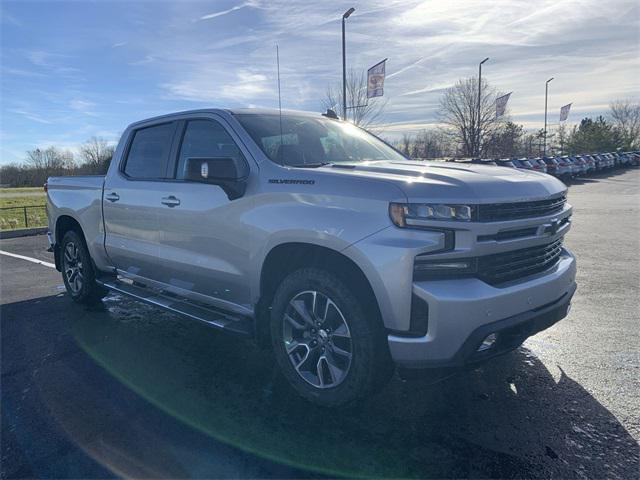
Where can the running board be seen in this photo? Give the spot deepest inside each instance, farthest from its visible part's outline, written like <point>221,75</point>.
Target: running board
<point>216,318</point>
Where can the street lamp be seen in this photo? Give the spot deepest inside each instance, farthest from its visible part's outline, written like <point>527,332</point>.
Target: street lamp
<point>546,96</point>
<point>479,100</point>
<point>345,15</point>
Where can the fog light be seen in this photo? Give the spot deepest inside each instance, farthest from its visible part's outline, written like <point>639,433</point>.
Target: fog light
<point>444,266</point>
<point>488,342</point>
<point>425,269</point>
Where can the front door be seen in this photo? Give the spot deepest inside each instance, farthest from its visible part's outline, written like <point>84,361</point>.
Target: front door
<point>204,244</point>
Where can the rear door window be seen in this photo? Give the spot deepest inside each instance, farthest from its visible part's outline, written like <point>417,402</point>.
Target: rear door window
<point>149,152</point>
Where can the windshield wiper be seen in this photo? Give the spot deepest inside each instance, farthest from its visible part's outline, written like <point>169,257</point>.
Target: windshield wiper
<point>311,165</point>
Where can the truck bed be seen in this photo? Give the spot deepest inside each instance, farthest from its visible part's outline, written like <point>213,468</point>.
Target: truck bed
<point>79,198</point>
<point>76,182</point>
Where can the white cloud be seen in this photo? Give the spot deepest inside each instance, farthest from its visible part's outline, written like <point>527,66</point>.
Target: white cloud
<point>31,116</point>
<point>225,12</point>
<point>9,19</point>
<point>82,106</point>
<point>143,61</point>
<point>429,88</point>
<point>51,62</point>
<point>22,72</point>
<point>242,87</point>
<point>247,85</point>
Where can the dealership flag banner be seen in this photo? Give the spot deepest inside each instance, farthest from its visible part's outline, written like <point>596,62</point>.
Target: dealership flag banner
<point>375,80</point>
<point>564,112</point>
<point>501,104</point>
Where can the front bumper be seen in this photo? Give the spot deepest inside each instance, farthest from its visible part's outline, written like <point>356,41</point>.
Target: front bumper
<point>462,312</point>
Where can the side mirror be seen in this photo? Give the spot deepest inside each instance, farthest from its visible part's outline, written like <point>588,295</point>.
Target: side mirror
<point>226,172</point>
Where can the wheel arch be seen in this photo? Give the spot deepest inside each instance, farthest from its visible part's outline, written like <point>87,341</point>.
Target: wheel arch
<point>65,223</point>
<point>286,258</point>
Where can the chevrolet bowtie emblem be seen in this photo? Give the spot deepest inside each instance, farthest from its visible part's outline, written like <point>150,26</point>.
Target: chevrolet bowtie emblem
<point>550,228</point>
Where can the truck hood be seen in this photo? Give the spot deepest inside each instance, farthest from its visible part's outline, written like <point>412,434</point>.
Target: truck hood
<point>450,182</point>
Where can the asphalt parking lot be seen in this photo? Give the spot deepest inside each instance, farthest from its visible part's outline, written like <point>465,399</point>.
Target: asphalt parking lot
<point>128,390</point>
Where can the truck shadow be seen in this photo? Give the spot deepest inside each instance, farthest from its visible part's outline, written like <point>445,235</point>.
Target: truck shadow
<point>513,418</point>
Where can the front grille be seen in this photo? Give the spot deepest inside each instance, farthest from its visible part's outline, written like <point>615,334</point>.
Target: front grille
<point>494,212</point>
<point>509,234</point>
<point>505,267</point>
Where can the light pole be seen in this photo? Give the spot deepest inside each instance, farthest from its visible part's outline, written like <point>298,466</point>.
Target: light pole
<point>345,15</point>
<point>479,101</point>
<point>546,96</point>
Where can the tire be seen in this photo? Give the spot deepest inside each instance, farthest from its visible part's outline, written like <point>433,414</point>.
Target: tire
<point>344,356</point>
<point>77,270</point>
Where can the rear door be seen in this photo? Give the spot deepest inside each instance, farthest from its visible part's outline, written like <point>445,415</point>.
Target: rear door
<point>133,201</point>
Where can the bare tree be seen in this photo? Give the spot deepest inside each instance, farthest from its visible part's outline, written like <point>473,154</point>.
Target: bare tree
<point>562,136</point>
<point>459,113</point>
<point>506,141</point>
<point>431,144</point>
<point>12,175</point>
<point>426,144</point>
<point>406,145</point>
<point>625,115</point>
<point>362,111</point>
<point>43,163</point>
<point>49,159</point>
<point>96,154</point>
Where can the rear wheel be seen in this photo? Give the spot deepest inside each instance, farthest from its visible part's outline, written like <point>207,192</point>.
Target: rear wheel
<point>329,349</point>
<point>77,270</point>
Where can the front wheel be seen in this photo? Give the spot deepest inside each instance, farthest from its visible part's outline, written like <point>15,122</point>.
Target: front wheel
<point>77,270</point>
<point>329,349</point>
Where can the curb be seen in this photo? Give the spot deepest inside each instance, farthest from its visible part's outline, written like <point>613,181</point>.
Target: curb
<point>24,232</point>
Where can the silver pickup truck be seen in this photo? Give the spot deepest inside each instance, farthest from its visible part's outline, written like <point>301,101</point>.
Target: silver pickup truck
<point>315,237</point>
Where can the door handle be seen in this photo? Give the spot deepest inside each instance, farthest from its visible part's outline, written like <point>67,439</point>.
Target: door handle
<point>170,201</point>
<point>112,197</point>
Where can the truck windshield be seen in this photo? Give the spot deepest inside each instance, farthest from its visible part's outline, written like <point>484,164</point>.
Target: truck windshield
<point>307,141</point>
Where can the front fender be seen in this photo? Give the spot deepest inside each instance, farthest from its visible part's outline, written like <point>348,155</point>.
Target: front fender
<point>296,236</point>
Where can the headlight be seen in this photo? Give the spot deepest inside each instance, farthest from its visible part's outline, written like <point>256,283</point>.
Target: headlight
<point>415,214</point>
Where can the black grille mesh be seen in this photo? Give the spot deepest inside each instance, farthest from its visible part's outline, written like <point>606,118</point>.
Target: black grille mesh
<point>504,267</point>
<point>493,212</point>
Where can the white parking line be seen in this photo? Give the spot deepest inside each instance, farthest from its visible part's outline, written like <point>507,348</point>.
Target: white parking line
<point>28,259</point>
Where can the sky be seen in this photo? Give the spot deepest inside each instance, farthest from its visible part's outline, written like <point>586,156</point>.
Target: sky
<point>71,70</point>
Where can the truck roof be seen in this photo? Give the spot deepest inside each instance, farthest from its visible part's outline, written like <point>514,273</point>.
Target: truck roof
<point>270,111</point>
<point>232,111</point>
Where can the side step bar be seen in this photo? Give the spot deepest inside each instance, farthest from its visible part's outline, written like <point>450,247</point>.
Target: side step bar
<point>216,318</point>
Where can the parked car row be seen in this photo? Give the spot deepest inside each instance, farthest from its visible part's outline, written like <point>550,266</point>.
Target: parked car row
<point>569,166</point>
